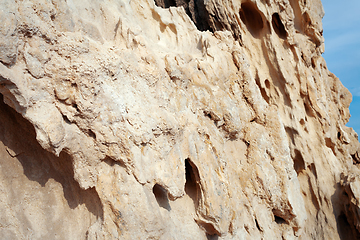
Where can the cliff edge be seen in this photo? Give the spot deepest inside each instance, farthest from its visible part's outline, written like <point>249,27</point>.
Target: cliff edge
<point>173,119</point>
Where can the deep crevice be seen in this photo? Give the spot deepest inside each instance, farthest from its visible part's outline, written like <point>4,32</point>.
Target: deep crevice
<point>91,134</point>
<point>66,119</point>
<point>299,163</point>
<point>278,26</point>
<point>257,225</point>
<point>192,185</point>
<point>345,230</point>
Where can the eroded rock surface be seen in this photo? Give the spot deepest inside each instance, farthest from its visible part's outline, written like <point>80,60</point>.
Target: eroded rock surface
<point>173,119</point>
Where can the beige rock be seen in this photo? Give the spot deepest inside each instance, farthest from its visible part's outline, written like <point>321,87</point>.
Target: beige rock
<point>173,120</point>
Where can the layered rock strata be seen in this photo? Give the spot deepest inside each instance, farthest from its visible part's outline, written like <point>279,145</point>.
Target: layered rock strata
<point>173,119</point>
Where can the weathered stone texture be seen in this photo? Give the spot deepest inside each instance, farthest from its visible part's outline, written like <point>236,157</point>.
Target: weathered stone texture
<point>173,119</point>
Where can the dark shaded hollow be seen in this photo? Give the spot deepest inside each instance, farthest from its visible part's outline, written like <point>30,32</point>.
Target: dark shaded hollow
<point>91,133</point>
<point>212,116</point>
<point>192,177</point>
<point>267,83</point>
<point>344,211</point>
<point>302,121</point>
<point>330,144</point>
<point>292,133</point>
<point>39,165</point>
<point>212,237</point>
<point>279,220</point>
<point>161,196</point>
<point>345,229</point>
<point>278,26</point>
<point>299,163</point>
<point>195,9</point>
<point>356,158</point>
<point>251,17</point>
<point>165,3</point>
<point>257,225</point>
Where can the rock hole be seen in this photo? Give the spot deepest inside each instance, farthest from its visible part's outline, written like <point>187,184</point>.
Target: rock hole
<point>91,133</point>
<point>111,162</point>
<point>212,116</point>
<point>299,163</point>
<point>339,135</point>
<point>212,237</point>
<point>278,26</point>
<point>302,122</point>
<point>52,17</point>
<point>345,229</point>
<point>251,17</point>
<point>76,107</point>
<point>192,188</point>
<point>329,143</point>
<point>161,196</point>
<point>279,220</point>
<point>267,83</point>
<point>291,132</point>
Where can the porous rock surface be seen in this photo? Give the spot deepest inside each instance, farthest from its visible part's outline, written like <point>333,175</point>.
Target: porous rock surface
<point>173,119</point>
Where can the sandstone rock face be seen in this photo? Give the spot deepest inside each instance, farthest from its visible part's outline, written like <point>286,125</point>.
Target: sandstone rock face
<point>173,119</point>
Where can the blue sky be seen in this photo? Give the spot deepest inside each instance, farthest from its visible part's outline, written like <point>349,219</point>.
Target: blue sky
<point>342,48</point>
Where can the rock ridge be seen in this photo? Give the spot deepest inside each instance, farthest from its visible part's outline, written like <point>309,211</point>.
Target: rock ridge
<point>173,119</point>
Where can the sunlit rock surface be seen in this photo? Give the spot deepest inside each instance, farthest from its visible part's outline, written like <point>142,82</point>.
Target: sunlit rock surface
<point>173,119</point>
